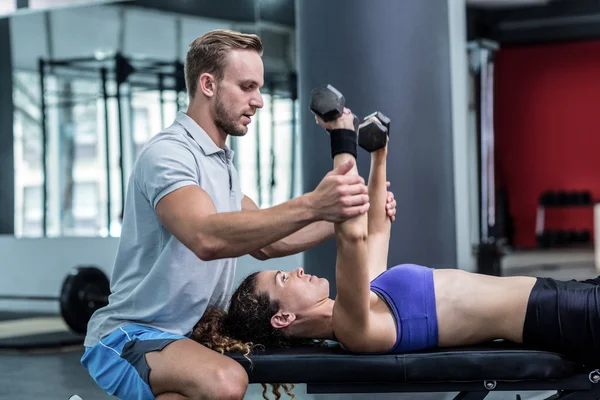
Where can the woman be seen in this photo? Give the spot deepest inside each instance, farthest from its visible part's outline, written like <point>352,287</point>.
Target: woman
<point>404,308</point>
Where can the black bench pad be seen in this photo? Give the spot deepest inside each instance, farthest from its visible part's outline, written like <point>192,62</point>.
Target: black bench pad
<point>502,361</point>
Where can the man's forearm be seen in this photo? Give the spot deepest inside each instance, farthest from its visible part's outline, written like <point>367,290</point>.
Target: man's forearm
<point>234,234</point>
<point>307,237</point>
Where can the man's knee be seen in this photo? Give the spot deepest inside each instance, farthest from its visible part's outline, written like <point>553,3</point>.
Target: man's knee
<point>234,381</point>
<point>230,381</point>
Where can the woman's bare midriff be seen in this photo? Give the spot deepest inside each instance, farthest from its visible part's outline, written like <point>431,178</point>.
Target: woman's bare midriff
<point>474,308</point>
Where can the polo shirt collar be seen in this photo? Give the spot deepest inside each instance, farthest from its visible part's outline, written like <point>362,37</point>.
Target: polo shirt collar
<point>200,136</point>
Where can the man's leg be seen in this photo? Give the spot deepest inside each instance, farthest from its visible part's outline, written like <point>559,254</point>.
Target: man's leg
<point>187,370</point>
<point>141,363</point>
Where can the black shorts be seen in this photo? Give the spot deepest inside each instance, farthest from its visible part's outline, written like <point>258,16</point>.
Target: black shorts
<point>564,317</point>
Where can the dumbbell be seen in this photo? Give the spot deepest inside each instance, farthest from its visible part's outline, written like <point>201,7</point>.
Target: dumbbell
<point>373,133</point>
<point>548,199</point>
<point>84,290</point>
<point>328,104</point>
<point>562,198</point>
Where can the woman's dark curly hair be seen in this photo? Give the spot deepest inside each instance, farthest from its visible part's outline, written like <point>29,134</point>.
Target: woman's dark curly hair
<point>245,326</point>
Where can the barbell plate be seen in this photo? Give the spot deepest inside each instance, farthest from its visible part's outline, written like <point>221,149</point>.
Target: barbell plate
<point>75,307</point>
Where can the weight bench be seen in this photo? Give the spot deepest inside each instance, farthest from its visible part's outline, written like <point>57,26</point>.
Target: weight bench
<point>474,372</point>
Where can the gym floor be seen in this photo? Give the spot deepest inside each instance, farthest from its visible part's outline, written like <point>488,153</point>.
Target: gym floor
<point>52,374</point>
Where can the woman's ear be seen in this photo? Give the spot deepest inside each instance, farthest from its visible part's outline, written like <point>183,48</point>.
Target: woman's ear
<point>282,319</point>
<point>207,84</point>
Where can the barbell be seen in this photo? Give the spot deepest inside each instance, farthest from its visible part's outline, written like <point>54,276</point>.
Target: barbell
<point>84,290</point>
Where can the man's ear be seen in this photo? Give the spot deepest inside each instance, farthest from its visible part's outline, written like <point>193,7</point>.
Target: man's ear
<point>282,319</point>
<point>207,84</point>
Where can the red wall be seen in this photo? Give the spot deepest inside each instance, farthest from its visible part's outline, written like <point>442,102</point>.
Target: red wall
<point>547,126</point>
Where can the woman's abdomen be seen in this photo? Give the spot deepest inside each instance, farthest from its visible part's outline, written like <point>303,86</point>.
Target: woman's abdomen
<point>475,308</point>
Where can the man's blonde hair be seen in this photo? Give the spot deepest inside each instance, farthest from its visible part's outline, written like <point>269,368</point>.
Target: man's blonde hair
<point>207,53</point>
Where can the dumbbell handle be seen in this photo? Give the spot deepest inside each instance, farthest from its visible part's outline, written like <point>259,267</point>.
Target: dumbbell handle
<point>385,121</point>
<point>83,295</point>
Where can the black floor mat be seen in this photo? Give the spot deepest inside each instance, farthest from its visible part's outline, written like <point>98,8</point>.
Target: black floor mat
<point>30,331</point>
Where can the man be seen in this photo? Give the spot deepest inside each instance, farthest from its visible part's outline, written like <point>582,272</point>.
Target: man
<point>186,221</point>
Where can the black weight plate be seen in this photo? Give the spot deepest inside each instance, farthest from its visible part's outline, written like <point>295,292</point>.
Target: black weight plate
<point>75,307</point>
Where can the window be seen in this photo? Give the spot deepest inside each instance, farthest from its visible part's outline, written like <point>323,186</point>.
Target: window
<point>32,211</point>
<point>28,151</point>
<point>86,209</point>
<point>8,6</point>
<point>85,199</point>
<point>141,128</point>
<point>29,133</point>
<point>75,175</point>
<point>86,131</point>
<point>27,120</point>
<point>275,178</point>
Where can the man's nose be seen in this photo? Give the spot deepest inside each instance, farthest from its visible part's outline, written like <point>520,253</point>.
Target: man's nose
<point>300,272</point>
<point>257,101</point>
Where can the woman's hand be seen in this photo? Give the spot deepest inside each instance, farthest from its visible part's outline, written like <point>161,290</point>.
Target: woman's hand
<point>345,121</point>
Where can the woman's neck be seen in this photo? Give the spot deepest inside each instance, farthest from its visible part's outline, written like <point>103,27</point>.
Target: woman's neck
<point>318,324</point>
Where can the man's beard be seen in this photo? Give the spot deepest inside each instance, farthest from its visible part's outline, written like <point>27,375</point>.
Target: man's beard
<point>226,122</point>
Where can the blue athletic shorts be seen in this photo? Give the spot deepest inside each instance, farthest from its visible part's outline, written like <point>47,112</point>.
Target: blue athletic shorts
<point>118,362</point>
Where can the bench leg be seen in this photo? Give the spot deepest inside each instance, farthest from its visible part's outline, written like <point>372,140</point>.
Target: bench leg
<point>593,394</point>
<point>471,395</point>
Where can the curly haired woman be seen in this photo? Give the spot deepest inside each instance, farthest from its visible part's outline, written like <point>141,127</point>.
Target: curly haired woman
<point>407,307</point>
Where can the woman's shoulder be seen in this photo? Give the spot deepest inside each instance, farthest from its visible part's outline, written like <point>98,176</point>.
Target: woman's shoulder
<point>376,334</point>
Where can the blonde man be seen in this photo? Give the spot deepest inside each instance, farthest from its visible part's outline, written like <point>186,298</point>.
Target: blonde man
<point>185,222</point>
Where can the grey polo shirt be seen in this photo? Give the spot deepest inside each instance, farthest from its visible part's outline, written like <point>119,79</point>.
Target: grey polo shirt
<point>156,281</point>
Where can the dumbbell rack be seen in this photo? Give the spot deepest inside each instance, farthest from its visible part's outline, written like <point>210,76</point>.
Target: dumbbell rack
<point>561,199</point>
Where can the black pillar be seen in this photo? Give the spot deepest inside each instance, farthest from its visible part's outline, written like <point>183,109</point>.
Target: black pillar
<point>7,180</point>
<point>392,56</point>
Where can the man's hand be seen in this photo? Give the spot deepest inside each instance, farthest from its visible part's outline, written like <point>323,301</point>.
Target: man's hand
<point>390,205</point>
<point>339,197</point>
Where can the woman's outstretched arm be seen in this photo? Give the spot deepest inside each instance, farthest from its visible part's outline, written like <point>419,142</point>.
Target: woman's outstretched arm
<point>351,310</point>
<point>379,222</point>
